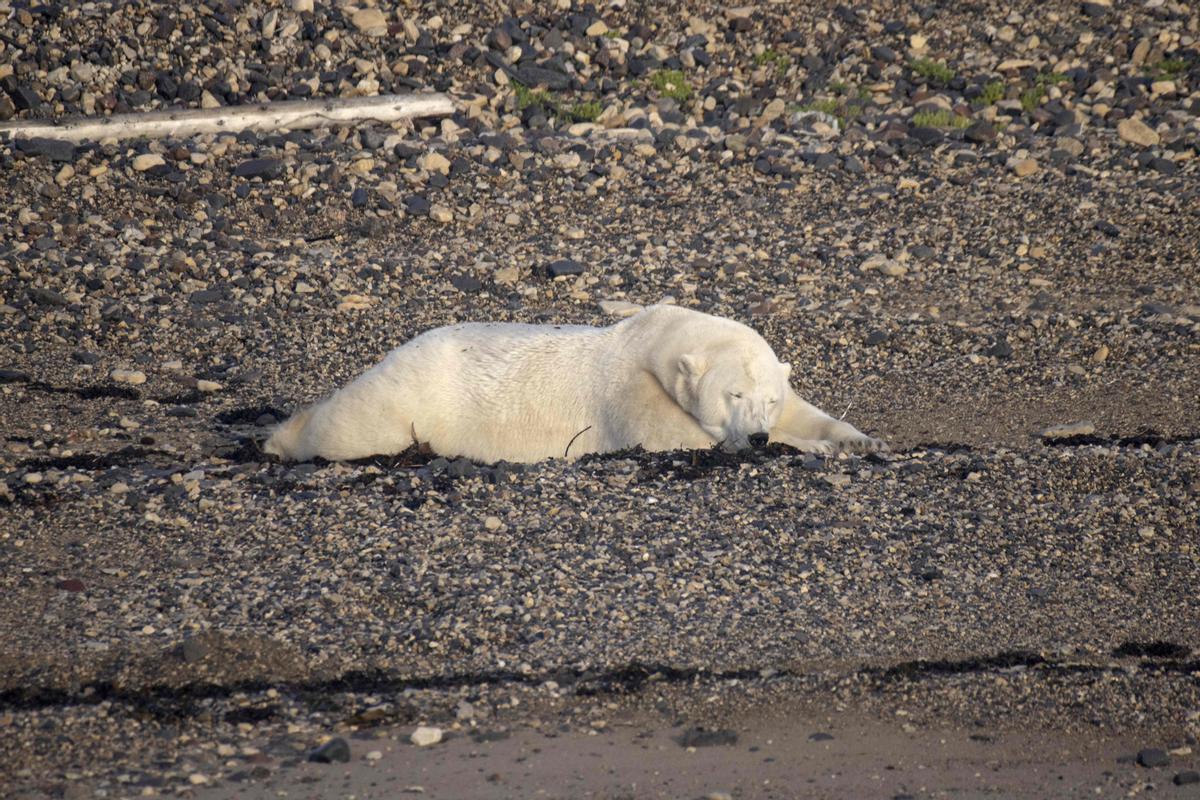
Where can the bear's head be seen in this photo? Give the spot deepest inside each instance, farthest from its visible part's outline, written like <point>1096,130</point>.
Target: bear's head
<point>737,398</point>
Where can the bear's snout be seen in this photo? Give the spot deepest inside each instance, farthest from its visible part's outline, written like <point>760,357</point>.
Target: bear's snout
<point>758,440</point>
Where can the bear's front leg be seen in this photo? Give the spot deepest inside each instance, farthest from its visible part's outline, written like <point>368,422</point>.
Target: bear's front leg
<point>801,425</point>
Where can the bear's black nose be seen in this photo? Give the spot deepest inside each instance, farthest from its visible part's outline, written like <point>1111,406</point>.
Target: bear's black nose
<point>758,440</point>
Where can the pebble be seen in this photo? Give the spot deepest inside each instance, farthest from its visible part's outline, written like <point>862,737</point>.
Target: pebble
<point>259,168</point>
<point>1153,757</point>
<point>563,267</point>
<point>1025,167</point>
<point>133,377</point>
<point>336,749</point>
<point>425,736</point>
<point>1137,132</point>
<point>1068,430</point>
<point>434,162</point>
<point>1186,778</point>
<point>208,386</point>
<point>439,213</point>
<point>493,523</point>
<point>370,21</point>
<point>147,161</point>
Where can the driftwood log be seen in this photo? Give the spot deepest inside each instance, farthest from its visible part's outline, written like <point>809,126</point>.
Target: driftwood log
<point>290,114</point>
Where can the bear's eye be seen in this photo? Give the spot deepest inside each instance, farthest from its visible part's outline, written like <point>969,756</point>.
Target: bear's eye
<point>772,401</point>
<point>736,395</point>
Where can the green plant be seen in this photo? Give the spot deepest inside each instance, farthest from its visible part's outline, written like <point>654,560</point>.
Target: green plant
<point>993,93</point>
<point>940,119</point>
<point>781,61</point>
<point>1169,68</point>
<point>612,34</point>
<point>583,112</point>
<point>824,105</point>
<point>527,97</point>
<point>1031,98</point>
<point>671,83</point>
<point>1050,79</point>
<point>839,87</point>
<point>577,112</point>
<point>931,70</point>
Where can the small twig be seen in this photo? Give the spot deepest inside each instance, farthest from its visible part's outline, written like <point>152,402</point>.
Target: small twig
<point>573,438</point>
<point>849,406</point>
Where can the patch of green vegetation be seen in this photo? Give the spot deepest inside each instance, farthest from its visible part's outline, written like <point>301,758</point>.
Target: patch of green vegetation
<point>527,97</point>
<point>945,120</point>
<point>612,34</point>
<point>781,61</point>
<point>1168,68</point>
<point>931,70</point>
<point>583,112</point>
<point>843,89</point>
<point>824,105</point>
<point>577,112</point>
<point>993,93</point>
<point>1051,79</point>
<point>1032,98</point>
<point>671,83</point>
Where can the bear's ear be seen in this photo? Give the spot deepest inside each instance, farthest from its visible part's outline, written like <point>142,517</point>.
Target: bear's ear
<point>692,366</point>
<point>787,369</point>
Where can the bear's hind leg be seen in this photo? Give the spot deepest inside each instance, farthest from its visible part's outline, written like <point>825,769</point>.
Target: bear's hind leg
<point>806,427</point>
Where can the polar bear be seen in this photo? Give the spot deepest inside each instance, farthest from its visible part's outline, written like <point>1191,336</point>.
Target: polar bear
<point>666,378</point>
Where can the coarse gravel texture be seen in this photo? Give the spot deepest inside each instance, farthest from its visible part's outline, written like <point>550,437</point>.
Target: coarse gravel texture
<point>962,225</point>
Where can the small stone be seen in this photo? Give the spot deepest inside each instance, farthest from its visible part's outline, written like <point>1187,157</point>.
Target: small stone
<point>1188,776</point>
<point>302,6</point>
<point>197,779</point>
<point>718,796</point>
<point>209,100</point>
<point>425,736</point>
<point>820,736</point>
<point>1101,354</point>
<point>133,377</point>
<point>336,749</point>
<point>439,213</point>
<point>567,160</point>
<point>564,266</point>
<point>1137,132</point>
<point>53,149</point>
<point>13,376</point>
<point>208,386</point>
<point>33,477</point>
<point>1068,430</point>
<point>492,523</point>
<point>71,585</point>
<point>370,21</point>
<point>374,755</point>
<point>597,28</point>
<point>434,162</point>
<point>266,168</point>
<point>1025,167</point>
<point>1153,757</point>
<point>147,161</point>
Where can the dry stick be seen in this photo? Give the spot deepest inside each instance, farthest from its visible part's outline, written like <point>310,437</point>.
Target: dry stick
<point>573,438</point>
<point>290,114</point>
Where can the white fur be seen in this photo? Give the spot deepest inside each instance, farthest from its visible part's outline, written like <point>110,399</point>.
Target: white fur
<point>665,378</point>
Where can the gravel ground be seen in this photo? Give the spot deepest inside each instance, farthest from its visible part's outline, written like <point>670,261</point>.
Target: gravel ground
<point>963,225</point>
